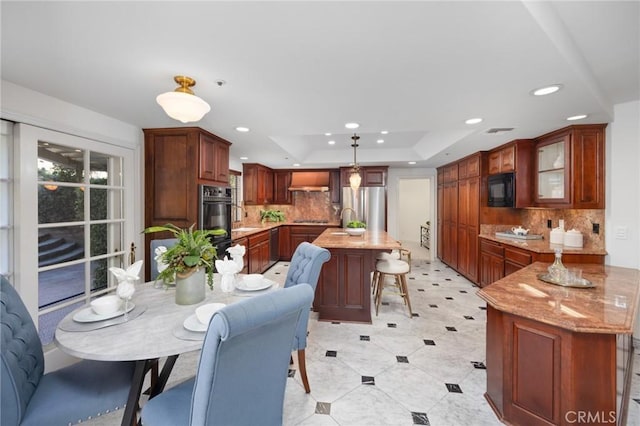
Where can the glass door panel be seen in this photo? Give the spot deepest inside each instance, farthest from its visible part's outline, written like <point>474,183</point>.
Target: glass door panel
<point>551,181</point>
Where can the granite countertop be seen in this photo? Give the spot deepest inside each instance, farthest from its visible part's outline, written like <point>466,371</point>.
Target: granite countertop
<point>251,229</point>
<point>542,246</point>
<point>610,307</point>
<point>370,240</point>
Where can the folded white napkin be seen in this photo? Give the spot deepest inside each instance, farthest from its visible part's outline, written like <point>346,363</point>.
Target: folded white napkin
<point>126,278</point>
<point>227,266</point>
<point>237,254</point>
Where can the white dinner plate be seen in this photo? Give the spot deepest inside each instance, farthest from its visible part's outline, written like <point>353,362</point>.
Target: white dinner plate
<point>241,285</point>
<point>88,315</point>
<point>192,324</point>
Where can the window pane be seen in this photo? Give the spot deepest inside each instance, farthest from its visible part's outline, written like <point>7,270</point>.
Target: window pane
<point>59,285</point>
<point>59,245</point>
<point>105,170</point>
<point>106,238</point>
<point>106,203</point>
<point>99,271</point>
<point>60,204</point>
<point>59,163</point>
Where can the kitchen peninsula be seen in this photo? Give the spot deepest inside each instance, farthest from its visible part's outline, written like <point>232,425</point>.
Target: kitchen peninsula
<point>344,287</point>
<point>555,353</point>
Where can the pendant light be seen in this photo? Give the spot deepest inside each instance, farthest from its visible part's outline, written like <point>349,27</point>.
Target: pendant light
<point>182,104</point>
<point>354,176</point>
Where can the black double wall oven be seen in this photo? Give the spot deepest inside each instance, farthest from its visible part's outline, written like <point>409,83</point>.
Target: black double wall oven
<point>215,213</point>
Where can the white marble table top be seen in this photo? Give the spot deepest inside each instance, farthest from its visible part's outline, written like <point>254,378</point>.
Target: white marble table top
<point>150,335</point>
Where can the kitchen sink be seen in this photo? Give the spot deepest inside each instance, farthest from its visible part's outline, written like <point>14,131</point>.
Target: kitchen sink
<point>244,229</point>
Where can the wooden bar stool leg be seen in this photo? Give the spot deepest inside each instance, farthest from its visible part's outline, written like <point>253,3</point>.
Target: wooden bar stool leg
<point>379,286</point>
<point>405,290</point>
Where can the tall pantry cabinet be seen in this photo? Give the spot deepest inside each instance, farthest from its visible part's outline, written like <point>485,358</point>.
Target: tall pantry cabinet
<point>459,194</point>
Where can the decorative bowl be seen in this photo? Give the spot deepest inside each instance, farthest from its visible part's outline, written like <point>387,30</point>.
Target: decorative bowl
<point>106,305</point>
<point>355,231</point>
<point>253,280</point>
<point>205,312</point>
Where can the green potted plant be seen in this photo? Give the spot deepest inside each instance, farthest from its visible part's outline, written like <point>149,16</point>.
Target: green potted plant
<point>271,216</point>
<point>188,260</point>
<point>356,227</point>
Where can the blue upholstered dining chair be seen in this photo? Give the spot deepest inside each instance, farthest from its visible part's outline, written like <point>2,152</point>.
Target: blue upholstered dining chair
<point>167,242</point>
<point>29,397</point>
<point>305,267</point>
<point>242,372</point>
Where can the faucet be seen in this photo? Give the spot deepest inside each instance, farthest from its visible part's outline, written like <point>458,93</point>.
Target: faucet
<point>348,208</point>
<point>239,207</point>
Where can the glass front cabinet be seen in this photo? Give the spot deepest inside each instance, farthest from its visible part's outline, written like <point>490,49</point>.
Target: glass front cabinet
<point>553,171</point>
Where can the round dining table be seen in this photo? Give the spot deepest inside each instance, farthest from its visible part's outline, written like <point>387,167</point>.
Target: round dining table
<point>153,329</point>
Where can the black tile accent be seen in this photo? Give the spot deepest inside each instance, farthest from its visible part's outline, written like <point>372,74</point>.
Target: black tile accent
<point>277,273</point>
<point>332,354</point>
<point>447,279</point>
<point>414,314</point>
<point>437,270</point>
<point>323,408</point>
<point>467,317</point>
<point>636,400</point>
<point>335,322</point>
<point>365,338</point>
<point>484,308</point>
<point>392,325</point>
<point>479,365</point>
<point>421,289</point>
<point>420,418</point>
<point>429,342</point>
<point>452,387</point>
<point>412,278</point>
<point>433,306</point>
<point>403,359</point>
<point>449,298</point>
<point>451,329</point>
<point>424,273</point>
<point>463,291</point>
<point>368,380</point>
<point>291,374</point>
<point>435,284</point>
<point>384,303</point>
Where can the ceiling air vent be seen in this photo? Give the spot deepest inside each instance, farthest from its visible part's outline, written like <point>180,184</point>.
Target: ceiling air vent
<point>496,130</point>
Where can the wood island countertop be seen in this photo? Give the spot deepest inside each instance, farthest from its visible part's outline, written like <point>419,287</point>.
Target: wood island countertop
<point>610,307</point>
<point>337,238</point>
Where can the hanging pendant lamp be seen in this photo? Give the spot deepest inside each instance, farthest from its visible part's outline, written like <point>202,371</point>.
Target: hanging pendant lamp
<point>182,104</point>
<point>354,175</point>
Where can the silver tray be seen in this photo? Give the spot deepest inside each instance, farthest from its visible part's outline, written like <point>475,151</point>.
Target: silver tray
<point>583,283</point>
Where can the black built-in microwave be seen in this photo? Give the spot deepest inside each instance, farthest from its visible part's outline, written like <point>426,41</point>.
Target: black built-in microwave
<point>502,190</point>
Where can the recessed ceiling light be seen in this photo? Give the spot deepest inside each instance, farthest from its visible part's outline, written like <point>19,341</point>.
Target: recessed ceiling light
<point>546,90</point>
<point>296,164</point>
<point>244,158</point>
<point>380,141</point>
<point>352,125</point>
<point>577,117</point>
<point>474,121</point>
<point>242,129</point>
<point>384,132</point>
<point>412,162</point>
<point>331,142</point>
<point>327,134</point>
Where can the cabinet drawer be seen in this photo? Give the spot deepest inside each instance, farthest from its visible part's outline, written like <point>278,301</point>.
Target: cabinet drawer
<point>258,238</point>
<point>517,256</point>
<point>491,247</point>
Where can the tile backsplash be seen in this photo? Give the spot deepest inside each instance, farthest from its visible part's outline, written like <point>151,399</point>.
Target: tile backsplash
<point>581,219</point>
<point>306,205</point>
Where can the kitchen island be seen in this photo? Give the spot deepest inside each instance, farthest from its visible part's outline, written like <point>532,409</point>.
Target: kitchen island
<point>344,287</point>
<point>558,355</point>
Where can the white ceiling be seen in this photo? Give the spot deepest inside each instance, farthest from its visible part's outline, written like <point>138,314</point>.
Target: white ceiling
<point>295,70</point>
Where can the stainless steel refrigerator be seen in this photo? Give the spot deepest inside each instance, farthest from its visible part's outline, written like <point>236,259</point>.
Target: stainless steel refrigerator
<point>369,204</point>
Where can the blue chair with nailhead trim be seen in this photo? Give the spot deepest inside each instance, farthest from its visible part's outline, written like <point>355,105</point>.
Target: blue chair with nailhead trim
<point>78,392</point>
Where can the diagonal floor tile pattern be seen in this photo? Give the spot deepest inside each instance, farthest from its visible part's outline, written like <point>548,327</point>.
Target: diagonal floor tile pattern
<point>425,370</point>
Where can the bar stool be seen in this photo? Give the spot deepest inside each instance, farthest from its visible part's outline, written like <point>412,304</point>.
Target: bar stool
<point>397,268</point>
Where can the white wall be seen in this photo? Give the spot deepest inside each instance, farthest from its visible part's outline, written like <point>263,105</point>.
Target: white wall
<point>414,207</point>
<point>623,189</point>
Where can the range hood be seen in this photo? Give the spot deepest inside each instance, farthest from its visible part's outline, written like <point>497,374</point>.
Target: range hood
<point>309,181</point>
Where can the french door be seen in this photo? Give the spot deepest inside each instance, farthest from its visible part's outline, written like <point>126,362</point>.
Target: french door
<point>73,220</point>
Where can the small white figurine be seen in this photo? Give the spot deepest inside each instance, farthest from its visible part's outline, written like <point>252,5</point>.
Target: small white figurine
<point>126,279</point>
<point>237,254</point>
<point>228,269</point>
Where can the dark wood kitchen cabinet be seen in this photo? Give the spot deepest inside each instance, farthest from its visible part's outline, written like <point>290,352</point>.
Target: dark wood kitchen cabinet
<point>302,233</point>
<point>281,184</point>
<point>259,252</point>
<point>334,186</point>
<point>244,241</point>
<point>491,262</point>
<point>257,184</point>
<point>459,196</point>
<point>176,161</point>
<point>371,175</point>
<point>569,168</point>
<point>515,157</point>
